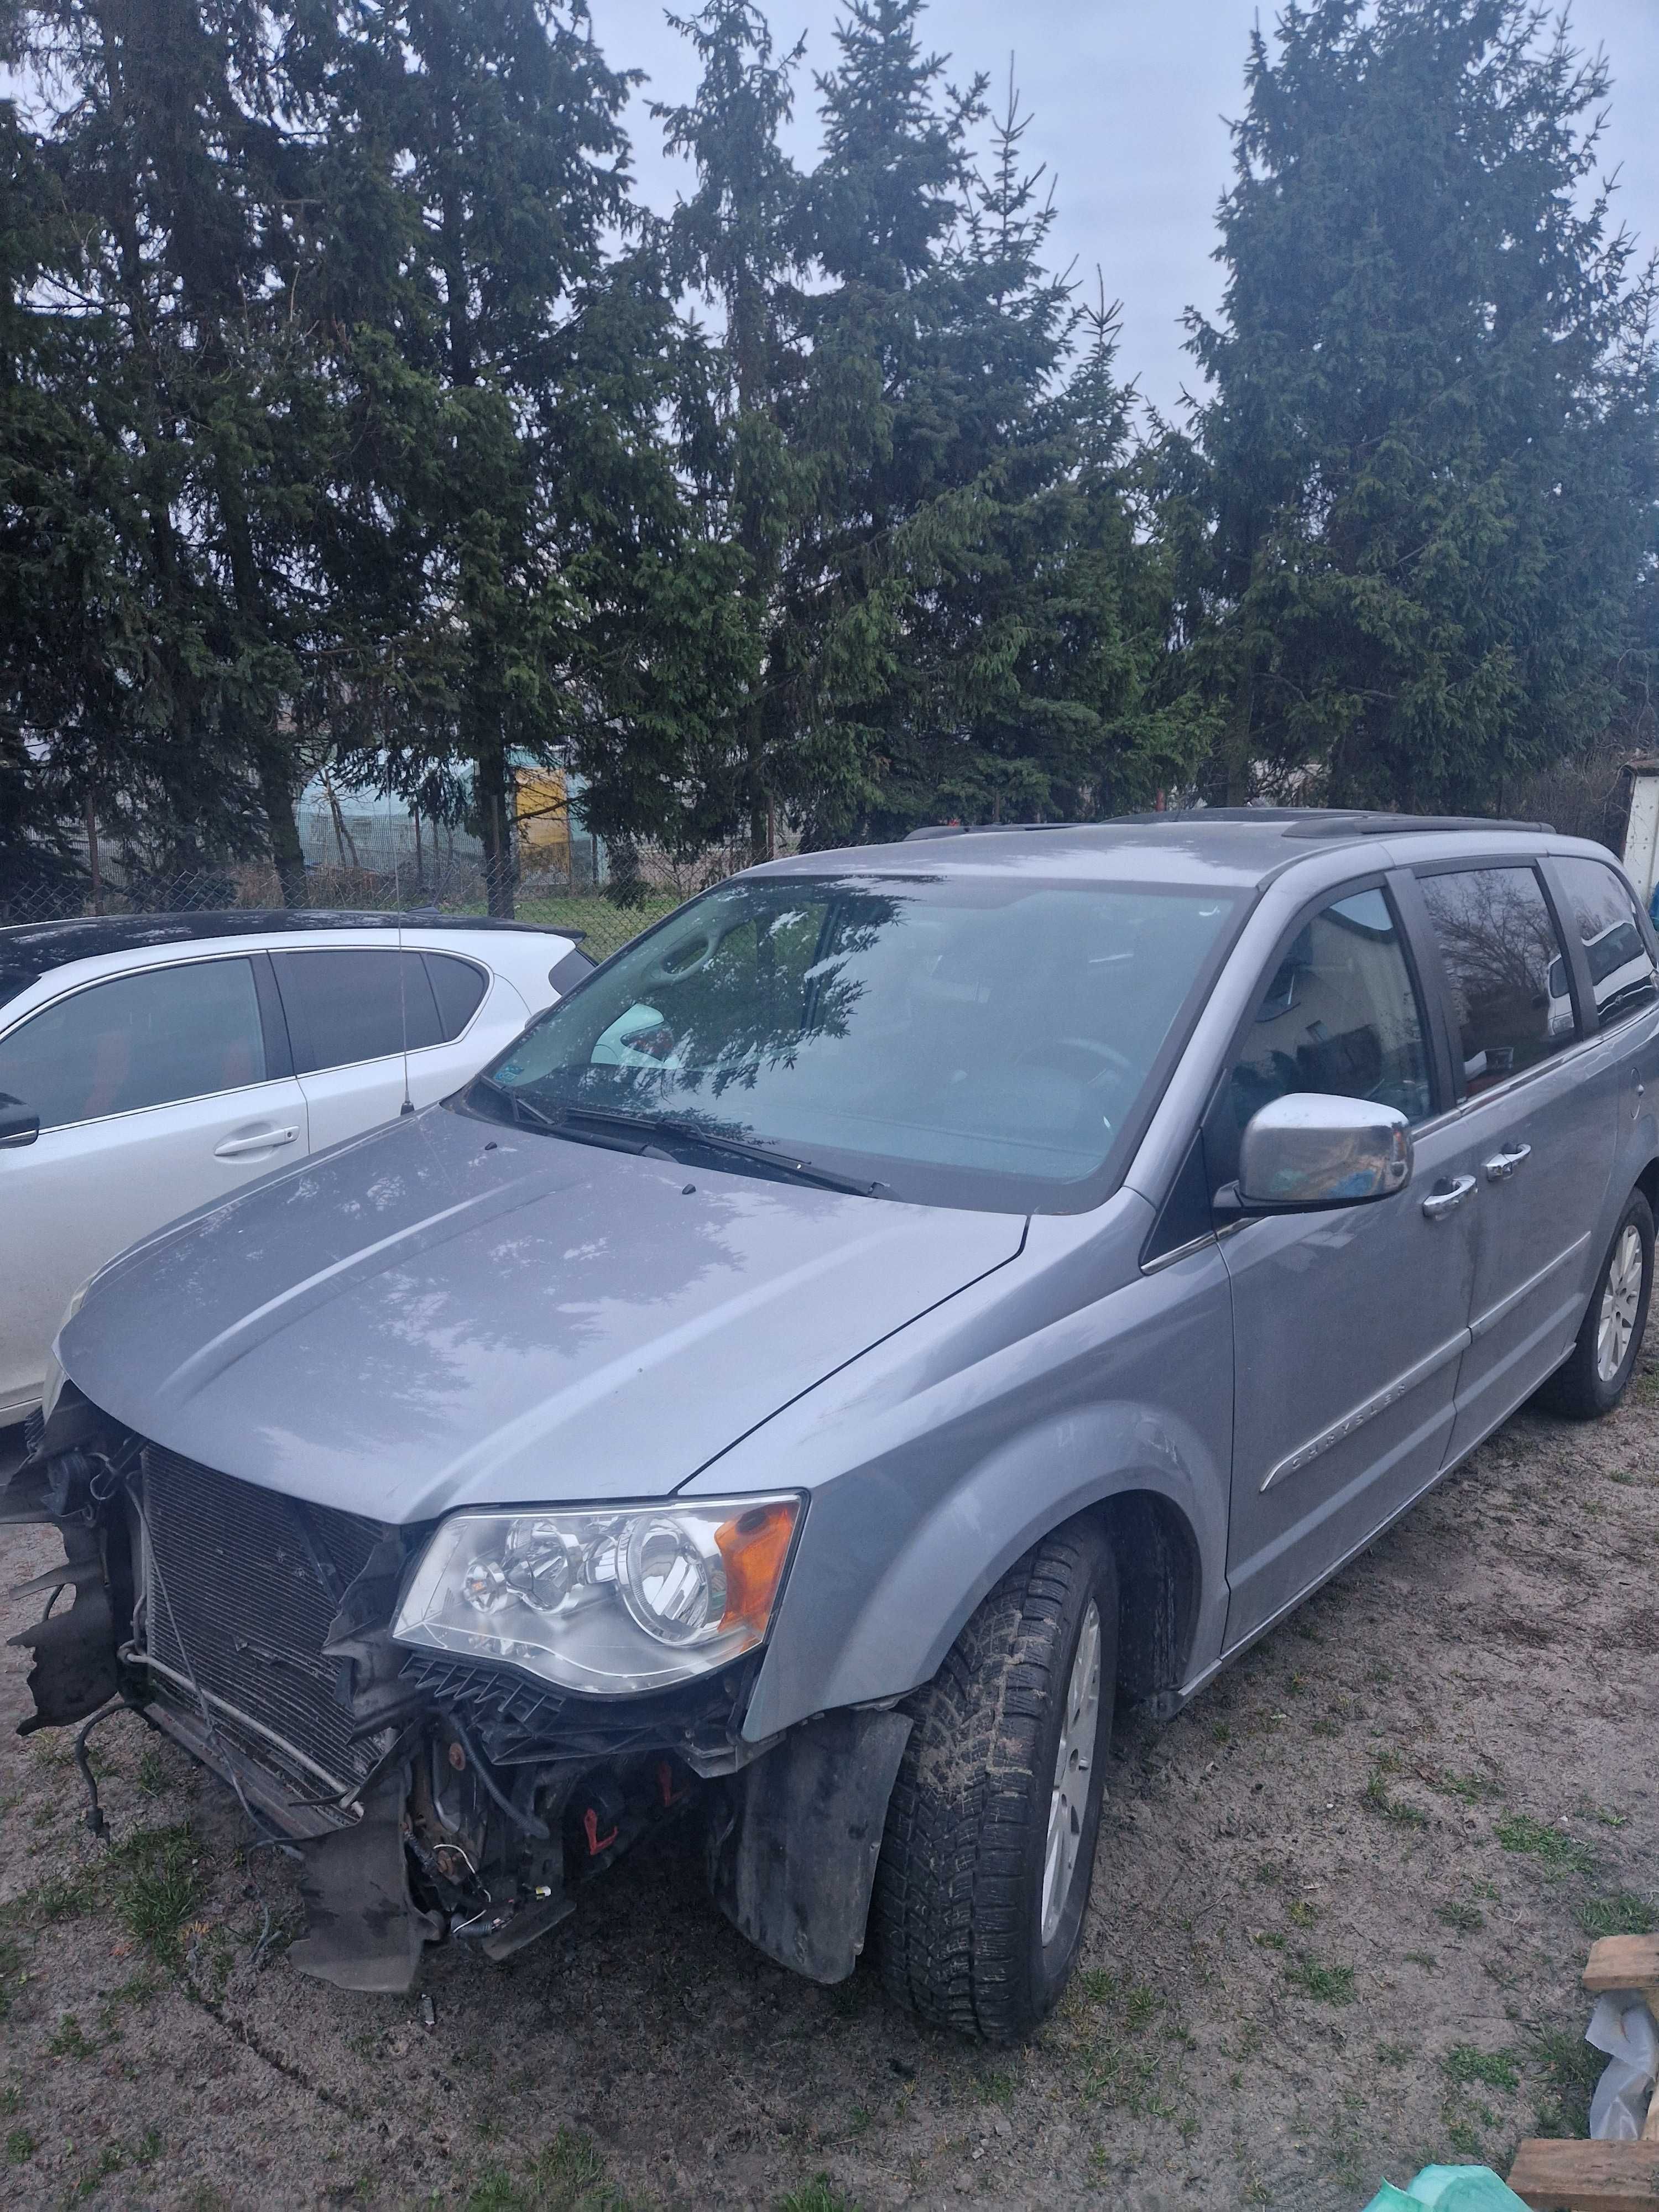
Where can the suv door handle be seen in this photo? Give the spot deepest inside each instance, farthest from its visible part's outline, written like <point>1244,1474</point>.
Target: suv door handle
<point>267,1141</point>
<point>1504,1164</point>
<point>1446,1201</point>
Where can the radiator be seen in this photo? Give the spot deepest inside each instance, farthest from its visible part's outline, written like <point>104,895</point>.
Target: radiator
<point>240,1586</point>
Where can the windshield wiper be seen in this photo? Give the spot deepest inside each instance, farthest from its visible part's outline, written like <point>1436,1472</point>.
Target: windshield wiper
<point>655,1127</point>
<point>520,1109</point>
<point>534,1117</point>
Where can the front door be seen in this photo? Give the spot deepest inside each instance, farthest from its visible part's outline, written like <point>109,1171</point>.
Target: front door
<point>1348,1325</point>
<point>1540,1118</point>
<point>154,1099</point>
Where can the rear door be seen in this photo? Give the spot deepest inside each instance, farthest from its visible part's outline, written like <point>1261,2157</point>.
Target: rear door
<point>158,1090</point>
<point>1538,1092</point>
<point>364,1020</point>
<point>1348,1325</point>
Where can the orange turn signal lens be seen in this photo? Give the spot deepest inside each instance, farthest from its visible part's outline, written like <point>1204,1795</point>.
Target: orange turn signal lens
<point>755,1546</point>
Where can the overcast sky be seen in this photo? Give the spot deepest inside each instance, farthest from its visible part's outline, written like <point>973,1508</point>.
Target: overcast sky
<point>1127,99</point>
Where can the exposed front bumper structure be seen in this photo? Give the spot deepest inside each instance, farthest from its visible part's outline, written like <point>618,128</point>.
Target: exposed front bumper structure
<point>428,1796</point>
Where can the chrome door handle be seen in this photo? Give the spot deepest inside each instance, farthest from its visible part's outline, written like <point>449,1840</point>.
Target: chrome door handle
<point>1504,1164</point>
<point>1446,1201</point>
<point>234,1147</point>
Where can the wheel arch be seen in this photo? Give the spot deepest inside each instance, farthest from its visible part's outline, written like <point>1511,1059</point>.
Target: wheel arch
<point>1160,1581</point>
<point>1147,1477</point>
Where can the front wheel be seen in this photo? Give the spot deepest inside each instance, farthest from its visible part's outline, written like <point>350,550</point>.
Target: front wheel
<point>1601,1364</point>
<point>990,1848</point>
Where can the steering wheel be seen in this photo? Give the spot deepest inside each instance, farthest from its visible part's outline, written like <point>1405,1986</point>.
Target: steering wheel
<point>1107,1059</point>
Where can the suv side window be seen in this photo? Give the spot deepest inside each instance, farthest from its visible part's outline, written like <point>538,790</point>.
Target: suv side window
<point>458,987</point>
<point>1506,972</point>
<point>1599,907</point>
<point>167,1034</point>
<point>1339,1014</point>
<point>352,1004</point>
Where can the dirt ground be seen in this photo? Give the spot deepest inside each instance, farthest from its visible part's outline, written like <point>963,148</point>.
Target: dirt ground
<point>1339,1912</point>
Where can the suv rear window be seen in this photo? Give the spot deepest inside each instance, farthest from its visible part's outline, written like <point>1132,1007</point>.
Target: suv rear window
<point>1599,907</point>
<point>458,987</point>
<point>355,1004</point>
<point>1505,970</point>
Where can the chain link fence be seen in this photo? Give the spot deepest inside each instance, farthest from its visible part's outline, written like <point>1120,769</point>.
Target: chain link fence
<point>603,915</point>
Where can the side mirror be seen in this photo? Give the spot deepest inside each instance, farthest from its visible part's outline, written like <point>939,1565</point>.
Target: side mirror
<point>1307,1151</point>
<point>19,1124</point>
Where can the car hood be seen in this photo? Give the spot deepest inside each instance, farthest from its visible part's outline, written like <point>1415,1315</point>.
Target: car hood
<point>444,1312</point>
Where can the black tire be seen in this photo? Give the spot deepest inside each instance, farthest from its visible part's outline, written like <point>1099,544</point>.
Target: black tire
<point>1578,1389</point>
<point>958,1912</point>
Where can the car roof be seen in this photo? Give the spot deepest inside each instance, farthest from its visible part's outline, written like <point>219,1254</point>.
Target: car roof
<point>30,950</point>
<point>1238,846</point>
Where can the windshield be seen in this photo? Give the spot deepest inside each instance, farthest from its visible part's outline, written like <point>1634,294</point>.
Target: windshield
<point>957,1041</point>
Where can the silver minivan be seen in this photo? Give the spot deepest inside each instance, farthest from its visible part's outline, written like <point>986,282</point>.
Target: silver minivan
<point>909,1301</point>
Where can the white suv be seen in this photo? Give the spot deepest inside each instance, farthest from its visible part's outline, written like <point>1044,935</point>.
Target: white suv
<point>151,1063</point>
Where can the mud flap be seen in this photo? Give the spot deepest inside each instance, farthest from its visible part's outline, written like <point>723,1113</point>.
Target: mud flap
<point>364,1930</point>
<point>74,1669</point>
<point>794,1864</point>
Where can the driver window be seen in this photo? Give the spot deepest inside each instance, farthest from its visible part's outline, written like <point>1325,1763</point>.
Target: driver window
<point>1339,1014</point>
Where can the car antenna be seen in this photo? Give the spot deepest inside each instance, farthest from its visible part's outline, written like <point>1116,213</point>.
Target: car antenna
<point>408,1106</point>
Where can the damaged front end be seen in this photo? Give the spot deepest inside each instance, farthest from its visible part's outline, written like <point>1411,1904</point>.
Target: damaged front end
<point>430,1792</point>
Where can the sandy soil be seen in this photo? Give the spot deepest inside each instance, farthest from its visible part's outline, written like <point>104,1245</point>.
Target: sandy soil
<point>1340,1911</point>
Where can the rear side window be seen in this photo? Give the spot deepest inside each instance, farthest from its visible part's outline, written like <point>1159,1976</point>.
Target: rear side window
<point>1506,972</point>
<point>1339,1014</point>
<point>1599,907</point>
<point>458,988</point>
<point>137,1041</point>
<point>348,1006</point>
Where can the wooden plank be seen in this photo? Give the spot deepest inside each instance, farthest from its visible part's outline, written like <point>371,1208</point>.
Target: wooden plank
<point>1650,2132</point>
<point>1587,2176</point>
<point>1623,1962</point>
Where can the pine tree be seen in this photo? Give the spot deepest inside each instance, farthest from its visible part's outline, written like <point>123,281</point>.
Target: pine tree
<point>153,512</point>
<point>1426,472</point>
<point>487,132</point>
<point>735,239</point>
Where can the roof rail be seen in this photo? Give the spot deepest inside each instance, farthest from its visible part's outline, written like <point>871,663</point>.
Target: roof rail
<point>1302,822</point>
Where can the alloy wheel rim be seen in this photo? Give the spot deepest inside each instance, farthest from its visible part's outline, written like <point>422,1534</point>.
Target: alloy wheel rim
<point>1622,1294</point>
<point>1073,1767</point>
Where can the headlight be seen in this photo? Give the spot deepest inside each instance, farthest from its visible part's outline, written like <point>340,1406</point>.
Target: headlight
<point>605,1601</point>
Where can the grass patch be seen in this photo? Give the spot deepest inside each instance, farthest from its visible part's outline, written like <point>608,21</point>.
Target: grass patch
<point>567,2176</point>
<point>68,2040</point>
<point>1326,1985</point>
<point>1464,2137</point>
<point>1471,1788</point>
<point>53,1899</point>
<point>1466,1919</point>
<point>1115,2068</point>
<point>1377,1798</point>
<point>1557,1852</point>
<point>817,2195</point>
<point>152,1775</point>
<point>1625,1914</point>
<point>1135,2002</point>
<point>1463,2063</point>
<point>157,1883</point>
<point>1302,1914</point>
<point>20,2147</point>
<point>1571,2069</point>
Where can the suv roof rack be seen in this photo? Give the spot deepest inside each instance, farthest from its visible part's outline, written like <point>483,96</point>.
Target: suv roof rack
<point>1303,821</point>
